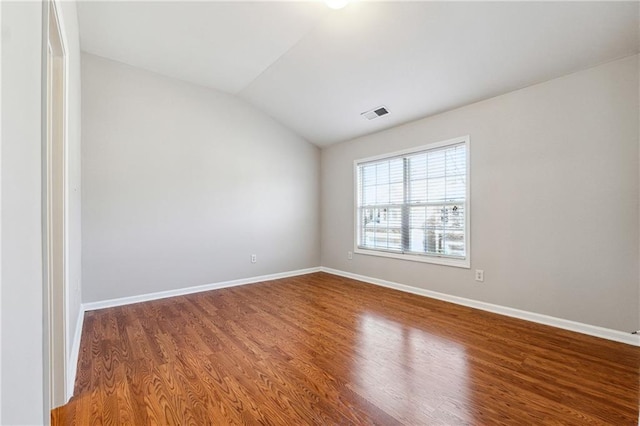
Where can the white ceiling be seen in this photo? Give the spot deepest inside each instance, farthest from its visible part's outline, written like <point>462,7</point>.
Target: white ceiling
<point>315,69</point>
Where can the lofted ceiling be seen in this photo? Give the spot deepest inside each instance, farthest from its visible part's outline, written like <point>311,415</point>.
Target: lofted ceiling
<point>316,70</point>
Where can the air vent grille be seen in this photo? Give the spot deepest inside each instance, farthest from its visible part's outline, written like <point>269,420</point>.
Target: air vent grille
<point>375,113</point>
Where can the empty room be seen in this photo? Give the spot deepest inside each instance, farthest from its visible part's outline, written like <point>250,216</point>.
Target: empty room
<point>319,212</point>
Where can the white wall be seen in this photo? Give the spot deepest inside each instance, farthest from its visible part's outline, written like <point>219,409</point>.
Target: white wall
<point>21,245</point>
<point>69,22</point>
<point>554,198</point>
<point>22,380</point>
<point>181,184</point>
<point>1,28</point>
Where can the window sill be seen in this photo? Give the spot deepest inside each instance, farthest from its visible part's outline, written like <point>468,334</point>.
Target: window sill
<point>437,260</point>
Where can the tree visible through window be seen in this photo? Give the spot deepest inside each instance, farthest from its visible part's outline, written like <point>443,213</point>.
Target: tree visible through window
<point>415,204</point>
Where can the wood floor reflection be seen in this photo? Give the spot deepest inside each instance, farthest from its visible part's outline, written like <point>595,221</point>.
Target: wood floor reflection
<point>321,349</point>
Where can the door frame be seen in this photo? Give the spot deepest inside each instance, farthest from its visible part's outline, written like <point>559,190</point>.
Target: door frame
<point>54,209</point>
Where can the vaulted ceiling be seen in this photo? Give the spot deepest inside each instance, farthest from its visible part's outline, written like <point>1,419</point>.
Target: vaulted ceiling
<point>316,70</point>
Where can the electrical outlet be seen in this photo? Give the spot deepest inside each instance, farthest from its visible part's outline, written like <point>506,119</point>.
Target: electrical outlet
<point>254,258</point>
<point>479,275</point>
<point>349,255</point>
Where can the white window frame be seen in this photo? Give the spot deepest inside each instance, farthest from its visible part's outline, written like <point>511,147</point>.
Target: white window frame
<point>425,258</point>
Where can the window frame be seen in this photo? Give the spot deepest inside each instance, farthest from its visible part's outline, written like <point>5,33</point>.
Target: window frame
<point>424,258</point>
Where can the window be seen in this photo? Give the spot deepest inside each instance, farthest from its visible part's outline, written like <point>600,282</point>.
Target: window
<point>414,204</point>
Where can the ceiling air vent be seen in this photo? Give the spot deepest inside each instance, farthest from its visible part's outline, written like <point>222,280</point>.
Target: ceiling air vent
<point>375,113</point>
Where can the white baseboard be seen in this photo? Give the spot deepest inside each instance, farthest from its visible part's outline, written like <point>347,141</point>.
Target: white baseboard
<point>72,365</point>
<point>592,330</point>
<point>91,306</point>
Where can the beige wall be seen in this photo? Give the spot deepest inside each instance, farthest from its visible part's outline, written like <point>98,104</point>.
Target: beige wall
<point>554,198</point>
<point>181,184</point>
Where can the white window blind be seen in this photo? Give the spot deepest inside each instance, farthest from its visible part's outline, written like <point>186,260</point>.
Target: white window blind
<point>415,203</point>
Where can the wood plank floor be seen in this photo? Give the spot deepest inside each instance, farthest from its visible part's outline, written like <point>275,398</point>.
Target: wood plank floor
<point>321,349</point>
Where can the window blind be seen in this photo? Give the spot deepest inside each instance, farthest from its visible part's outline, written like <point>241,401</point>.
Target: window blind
<point>414,203</point>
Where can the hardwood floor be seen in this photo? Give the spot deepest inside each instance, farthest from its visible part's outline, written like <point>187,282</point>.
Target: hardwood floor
<point>321,349</point>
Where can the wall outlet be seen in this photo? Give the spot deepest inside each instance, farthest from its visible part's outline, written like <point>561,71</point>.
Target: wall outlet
<point>349,255</point>
<point>254,258</point>
<point>479,275</point>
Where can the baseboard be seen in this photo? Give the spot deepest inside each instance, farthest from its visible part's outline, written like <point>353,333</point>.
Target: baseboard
<point>74,356</point>
<point>91,306</point>
<point>592,330</point>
